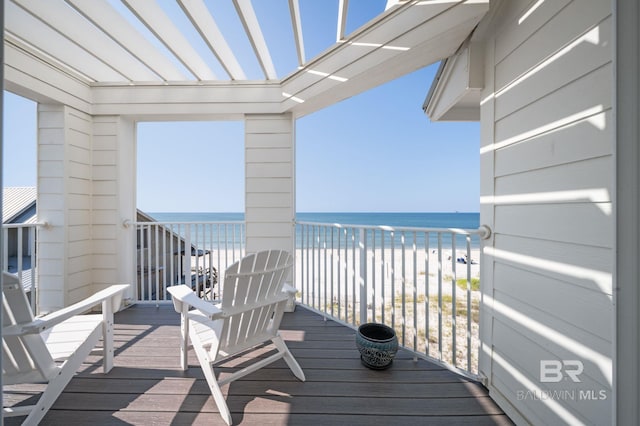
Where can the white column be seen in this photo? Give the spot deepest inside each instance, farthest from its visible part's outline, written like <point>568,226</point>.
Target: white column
<point>270,181</point>
<point>64,202</point>
<point>114,201</point>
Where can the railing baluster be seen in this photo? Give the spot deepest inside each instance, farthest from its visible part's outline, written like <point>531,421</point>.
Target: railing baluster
<point>324,252</point>
<point>374,294</point>
<point>454,335</point>
<point>383,273</point>
<point>415,292</point>
<point>440,296</point>
<point>469,295</point>
<point>148,264</point>
<point>353,275</point>
<point>404,288</point>
<point>20,253</point>
<point>393,279</point>
<point>35,282</point>
<point>362,275</point>
<point>427,294</point>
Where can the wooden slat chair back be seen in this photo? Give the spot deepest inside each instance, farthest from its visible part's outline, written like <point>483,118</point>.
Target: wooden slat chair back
<point>51,348</point>
<point>253,302</point>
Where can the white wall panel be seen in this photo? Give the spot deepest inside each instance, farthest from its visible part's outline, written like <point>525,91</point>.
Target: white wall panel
<point>580,181</point>
<point>547,164</point>
<point>578,141</point>
<point>535,287</point>
<point>519,24</point>
<point>584,97</point>
<point>571,62</point>
<point>577,223</point>
<point>561,30</point>
<point>269,172</point>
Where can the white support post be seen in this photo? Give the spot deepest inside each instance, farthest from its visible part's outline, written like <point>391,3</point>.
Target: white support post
<point>186,263</point>
<point>362,275</point>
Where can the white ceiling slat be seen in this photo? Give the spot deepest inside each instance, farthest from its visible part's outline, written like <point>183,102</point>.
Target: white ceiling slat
<point>56,47</point>
<point>105,17</point>
<point>343,7</point>
<point>200,16</point>
<point>161,25</point>
<point>252,27</point>
<point>75,28</point>
<point>294,9</point>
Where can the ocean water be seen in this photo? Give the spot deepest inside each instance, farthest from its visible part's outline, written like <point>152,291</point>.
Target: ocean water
<point>409,220</point>
<point>421,220</point>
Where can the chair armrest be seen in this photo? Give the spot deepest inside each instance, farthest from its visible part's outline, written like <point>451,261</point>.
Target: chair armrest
<point>184,294</point>
<point>38,325</point>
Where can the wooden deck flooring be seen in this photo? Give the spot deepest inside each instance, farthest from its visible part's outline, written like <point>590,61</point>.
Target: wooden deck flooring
<point>146,386</point>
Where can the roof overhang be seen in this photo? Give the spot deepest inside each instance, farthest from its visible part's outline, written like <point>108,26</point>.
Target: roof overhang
<point>455,92</point>
<point>406,38</point>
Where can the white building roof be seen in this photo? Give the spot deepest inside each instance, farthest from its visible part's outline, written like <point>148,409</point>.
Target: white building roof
<point>16,201</point>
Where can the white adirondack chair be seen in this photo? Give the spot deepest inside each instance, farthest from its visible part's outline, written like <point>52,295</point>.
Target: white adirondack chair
<point>51,348</point>
<point>253,301</point>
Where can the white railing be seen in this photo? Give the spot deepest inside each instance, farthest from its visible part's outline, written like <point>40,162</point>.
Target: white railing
<point>423,282</point>
<point>19,256</point>
<point>193,253</point>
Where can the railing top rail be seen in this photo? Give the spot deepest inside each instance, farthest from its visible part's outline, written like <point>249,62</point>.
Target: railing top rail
<point>179,222</point>
<point>481,231</point>
<point>25,225</point>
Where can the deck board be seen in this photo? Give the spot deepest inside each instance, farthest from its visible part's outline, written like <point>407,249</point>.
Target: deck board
<point>146,386</point>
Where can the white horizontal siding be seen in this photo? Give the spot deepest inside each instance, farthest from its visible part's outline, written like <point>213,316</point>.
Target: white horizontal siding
<point>581,265</point>
<point>520,30</point>
<point>51,207</point>
<point>273,184</point>
<point>547,151</point>
<point>581,181</point>
<point>576,223</point>
<point>560,31</point>
<point>587,96</point>
<point>539,411</point>
<point>577,141</point>
<point>534,288</point>
<point>269,168</point>
<point>78,175</point>
<point>588,52</point>
<point>266,214</point>
<point>105,214</point>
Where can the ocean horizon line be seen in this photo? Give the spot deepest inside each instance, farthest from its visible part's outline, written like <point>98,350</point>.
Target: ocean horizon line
<point>462,220</point>
<point>323,212</point>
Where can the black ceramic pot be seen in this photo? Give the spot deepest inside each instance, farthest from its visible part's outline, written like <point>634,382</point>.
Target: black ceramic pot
<point>377,344</point>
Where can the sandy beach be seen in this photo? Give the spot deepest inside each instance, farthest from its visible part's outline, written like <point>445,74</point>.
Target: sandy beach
<point>388,269</point>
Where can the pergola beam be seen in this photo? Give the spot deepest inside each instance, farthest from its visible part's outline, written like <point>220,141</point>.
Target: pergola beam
<point>163,27</point>
<point>343,7</point>
<point>250,22</point>
<point>105,17</point>
<point>296,23</point>
<point>206,25</point>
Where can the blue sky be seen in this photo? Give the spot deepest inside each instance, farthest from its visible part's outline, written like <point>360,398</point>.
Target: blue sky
<point>377,151</point>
